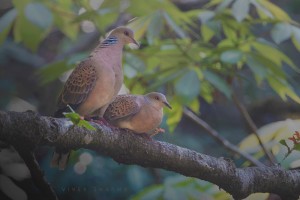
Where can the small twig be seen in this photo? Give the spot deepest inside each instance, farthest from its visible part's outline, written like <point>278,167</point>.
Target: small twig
<point>231,147</point>
<point>252,127</point>
<point>37,174</point>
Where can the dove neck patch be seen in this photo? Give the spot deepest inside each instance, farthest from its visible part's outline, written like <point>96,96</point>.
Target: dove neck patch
<point>109,41</point>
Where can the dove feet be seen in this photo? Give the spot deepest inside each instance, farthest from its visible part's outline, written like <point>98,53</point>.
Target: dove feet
<point>146,136</point>
<point>98,120</point>
<point>157,131</point>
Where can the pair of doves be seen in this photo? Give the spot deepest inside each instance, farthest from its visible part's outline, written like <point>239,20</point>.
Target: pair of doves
<point>92,91</point>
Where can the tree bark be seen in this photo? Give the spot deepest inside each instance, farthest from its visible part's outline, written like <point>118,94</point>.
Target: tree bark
<point>126,147</point>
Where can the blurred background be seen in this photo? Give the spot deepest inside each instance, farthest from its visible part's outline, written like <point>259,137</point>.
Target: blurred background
<point>208,57</point>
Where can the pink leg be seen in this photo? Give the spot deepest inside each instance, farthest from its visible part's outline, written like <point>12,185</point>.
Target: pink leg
<point>157,131</point>
<point>145,135</point>
<point>98,120</point>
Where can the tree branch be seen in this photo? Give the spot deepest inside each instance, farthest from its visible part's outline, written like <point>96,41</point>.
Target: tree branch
<point>252,127</point>
<point>129,148</point>
<point>228,145</point>
<point>37,174</point>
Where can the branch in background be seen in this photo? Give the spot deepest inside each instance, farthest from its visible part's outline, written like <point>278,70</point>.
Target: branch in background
<point>37,174</point>
<point>252,127</point>
<point>128,148</point>
<point>231,147</point>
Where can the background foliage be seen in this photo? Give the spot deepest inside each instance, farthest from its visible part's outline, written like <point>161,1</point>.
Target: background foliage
<point>199,53</point>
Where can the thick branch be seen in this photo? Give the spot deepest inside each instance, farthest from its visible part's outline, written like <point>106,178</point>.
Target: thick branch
<point>128,148</point>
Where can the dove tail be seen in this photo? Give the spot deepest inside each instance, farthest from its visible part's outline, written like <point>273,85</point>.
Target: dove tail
<point>60,159</point>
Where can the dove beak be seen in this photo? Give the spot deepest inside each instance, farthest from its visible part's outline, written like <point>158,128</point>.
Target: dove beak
<point>133,41</point>
<point>167,104</point>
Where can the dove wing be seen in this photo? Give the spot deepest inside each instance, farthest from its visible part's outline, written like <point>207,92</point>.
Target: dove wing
<point>123,106</point>
<point>79,85</point>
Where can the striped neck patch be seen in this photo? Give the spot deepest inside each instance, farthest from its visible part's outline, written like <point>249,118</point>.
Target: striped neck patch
<point>109,41</point>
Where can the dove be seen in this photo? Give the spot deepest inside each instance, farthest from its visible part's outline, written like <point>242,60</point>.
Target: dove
<point>94,83</point>
<point>139,113</point>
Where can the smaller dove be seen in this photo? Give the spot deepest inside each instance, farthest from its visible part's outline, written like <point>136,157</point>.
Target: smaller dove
<point>139,113</point>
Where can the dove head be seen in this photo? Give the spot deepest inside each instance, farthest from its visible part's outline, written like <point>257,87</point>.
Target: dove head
<point>125,35</point>
<point>158,100</point>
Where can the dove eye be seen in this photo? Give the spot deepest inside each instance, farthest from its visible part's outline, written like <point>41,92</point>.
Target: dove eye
<point>156,98</point>
<point>126,33</point>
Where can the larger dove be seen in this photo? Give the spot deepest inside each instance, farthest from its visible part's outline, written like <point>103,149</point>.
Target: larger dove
<point>94,83</point>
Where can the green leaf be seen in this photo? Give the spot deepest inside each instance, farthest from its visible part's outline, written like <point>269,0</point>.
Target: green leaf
<point>229,31</point>
<point>7,19</point>
<point>296,37</point>
<point>296,147</point>
<point>212,3</point>
<point>216,26</point>
<point>281,32</point>
<point>218,82</point>
<point>20,5</point>
<point>66,25</point>
<point>86,124</point>
<point>26,32</point>
<point>76,58</point>
<point>129,71</point>
<point>195,106</point>
<point>140,26</point>
<point>163,79</point>
<point>6,23</point>
<point>276,11</point>
<point>207,91</point>
<point>240,9</point>
<point>231,56</point>
<point>133,65</point>
<point>174,116</point>
<point>206,16</point>
<point>39,15</point>
<point>273,68</point>
<point>206,33</point>
<point>296,33</point>
<point>188,86</point>
<point>74,117</point>
<point>88,15</point>
<point>296,43</point>
<point>223,5</point>
<point>262,11</point>
<point>272,53</point>
<point>180,181</point>
<point>282,88</point>
<point>283,142</point>
<point>174,26</point>
<point>155,27</point>
<point>258,69</point>
<point>53,71</point>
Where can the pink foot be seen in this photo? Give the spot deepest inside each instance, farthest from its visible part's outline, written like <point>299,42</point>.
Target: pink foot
<point>98,120</point>
<point>157,131</point>
<point>146,136</point>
